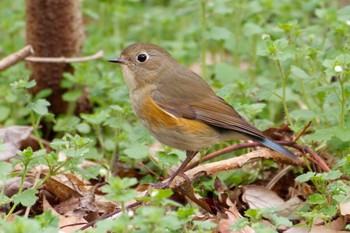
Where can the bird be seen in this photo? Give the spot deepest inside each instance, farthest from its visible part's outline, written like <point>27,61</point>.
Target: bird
<point>179,108</point>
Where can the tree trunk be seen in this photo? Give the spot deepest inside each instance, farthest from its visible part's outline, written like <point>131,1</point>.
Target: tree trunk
<point>54,29</point>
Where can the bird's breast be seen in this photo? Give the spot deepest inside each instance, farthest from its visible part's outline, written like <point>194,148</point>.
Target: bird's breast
<point>177,132</point>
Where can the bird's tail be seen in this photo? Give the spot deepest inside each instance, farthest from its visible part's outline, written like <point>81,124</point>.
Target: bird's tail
<point>276,147</point>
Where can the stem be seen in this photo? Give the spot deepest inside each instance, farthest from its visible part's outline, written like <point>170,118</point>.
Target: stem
<point>284,86</point>
<point>61,165</point>
<point>35,124</point>
<point>204,40</point>
<point>304,94</point>
<point>24,173</point>
<point>343,99</point>
<point>99,137</point>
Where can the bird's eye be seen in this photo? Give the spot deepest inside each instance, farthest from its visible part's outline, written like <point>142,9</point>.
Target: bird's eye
<point>142,57</point>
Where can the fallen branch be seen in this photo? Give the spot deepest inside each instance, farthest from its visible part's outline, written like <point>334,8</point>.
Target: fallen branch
<point>16,57</point>
<point>304,149</point>
<point>226,165</point>
<point>97,55</point>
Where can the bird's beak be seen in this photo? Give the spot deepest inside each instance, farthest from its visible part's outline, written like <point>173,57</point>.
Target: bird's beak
<point>118,60</point>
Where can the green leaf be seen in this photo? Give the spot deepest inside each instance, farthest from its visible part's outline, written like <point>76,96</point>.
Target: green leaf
<point>40,107</point>
<point>251,29</point>
<point>332,175</point>
<point>254,214</point>
<point>316,199</point>
<point>5,168</point>
<point>329,210</point>
<point>22,225</point>
<point>227,73</point>
<point>342,133</point>
<point>158,195</point>
<point>72,96</point>
<point>218,33</point>
<point>4,199</point>
<point>48,220</point>
<point>343,13</point>
<point>137,152</point>
<point>4,112</point>
<point>338,188</point>
<point>205,224</point>
<point>118,189</point>
<point>167,159</point>
<point>262,228</point>
<point>96,118</point>
<point>66,123</point>
<point>320,135</point>
<point>280,221</point>
<point>299,73</point>
<point>83,128</point>
<point>305,177</point>
<point>171,222</point>
<point>302,114</point>
<point>239,224</point>
<point>184,212</point>
<point>26,198</point>
<point>42,94</point>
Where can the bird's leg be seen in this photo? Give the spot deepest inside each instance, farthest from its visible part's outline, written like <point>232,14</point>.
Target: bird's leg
<point>189,156</point>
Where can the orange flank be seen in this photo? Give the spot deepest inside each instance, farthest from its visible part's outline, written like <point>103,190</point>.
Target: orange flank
<point>157,117</point>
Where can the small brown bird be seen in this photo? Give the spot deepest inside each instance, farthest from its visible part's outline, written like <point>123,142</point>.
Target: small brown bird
<point>178,107</point>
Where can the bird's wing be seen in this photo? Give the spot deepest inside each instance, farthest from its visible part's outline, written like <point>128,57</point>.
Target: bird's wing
<point>189,96</point>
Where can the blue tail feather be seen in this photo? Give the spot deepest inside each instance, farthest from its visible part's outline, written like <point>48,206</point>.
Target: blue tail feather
<point>276,147</point>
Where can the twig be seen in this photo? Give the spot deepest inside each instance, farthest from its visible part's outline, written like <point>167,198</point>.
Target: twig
<point>318,159</point>
<point>277,177</point>
<point>118,210</point>
<point>228,149</point>
<point>221,152</point>
<point>228,164</point>
<point>97,55</point>
<point>302,131</point>
<point>16,57</point>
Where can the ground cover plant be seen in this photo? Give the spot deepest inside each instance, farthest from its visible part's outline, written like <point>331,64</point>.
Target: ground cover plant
<point>284,65</point>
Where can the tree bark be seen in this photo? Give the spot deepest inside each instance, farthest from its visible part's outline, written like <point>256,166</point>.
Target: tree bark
<point>54,29</point>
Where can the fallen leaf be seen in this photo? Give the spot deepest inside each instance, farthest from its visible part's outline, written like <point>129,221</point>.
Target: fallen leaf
<point>12,137</point>
<point>232,216</point>
<point>258,197</point>
<point>12,185</point>
<point>345,207</point>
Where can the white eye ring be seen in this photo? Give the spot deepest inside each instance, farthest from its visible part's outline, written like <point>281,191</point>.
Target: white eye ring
<point>142,57</point>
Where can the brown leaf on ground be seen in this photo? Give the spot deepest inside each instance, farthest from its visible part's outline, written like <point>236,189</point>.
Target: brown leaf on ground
<point>75,199</point>
<point>316,229</point>
<point>65,220</point>
<point>60,187</point>
<point>345,207</point>
<point>232,215</point>
<point>259,197</point>
<point>12,138</point>
<point>12,185</point>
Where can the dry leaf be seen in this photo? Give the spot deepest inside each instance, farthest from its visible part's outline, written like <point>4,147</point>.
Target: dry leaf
<point>64,220</point>
<point>345,207</point>
<point>290,207</point>
<point>259,197</point>
<point>232,216</point>
<point>12,185</point>
<point>12,138</point>
<point>315,229</point>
